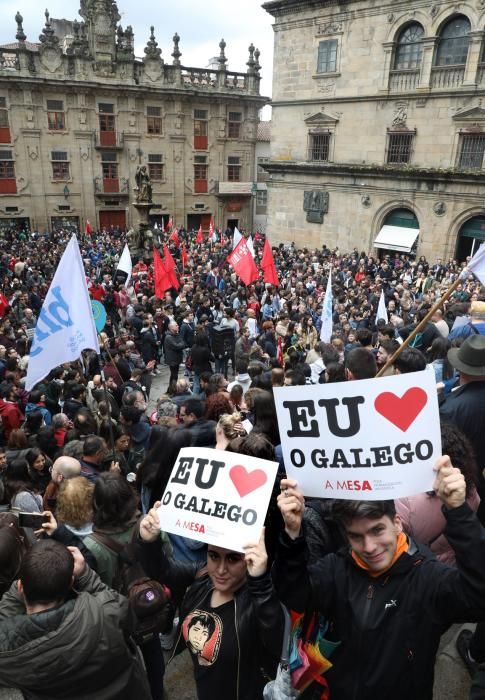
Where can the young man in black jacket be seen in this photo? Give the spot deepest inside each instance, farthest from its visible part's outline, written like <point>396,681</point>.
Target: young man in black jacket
<point>388,599</point>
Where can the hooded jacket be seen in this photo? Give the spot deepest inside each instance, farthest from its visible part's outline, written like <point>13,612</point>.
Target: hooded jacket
<point>389,627</point>
<point>76,651</point>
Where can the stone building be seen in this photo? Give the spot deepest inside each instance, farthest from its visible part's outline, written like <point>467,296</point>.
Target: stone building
<point>263,151</point>
<point>378,125</point>
<point>79,112</point>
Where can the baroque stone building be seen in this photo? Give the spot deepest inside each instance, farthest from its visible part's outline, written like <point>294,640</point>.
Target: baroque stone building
<point>79,112</point>
<point>378,125</point>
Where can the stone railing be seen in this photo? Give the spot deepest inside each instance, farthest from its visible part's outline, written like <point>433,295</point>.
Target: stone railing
<point>199,77</point>
<point>481,74</point>
<point>447,76</point>
<point>403,80</point>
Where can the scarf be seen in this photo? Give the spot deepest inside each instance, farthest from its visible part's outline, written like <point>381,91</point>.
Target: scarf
<point>402,546</point>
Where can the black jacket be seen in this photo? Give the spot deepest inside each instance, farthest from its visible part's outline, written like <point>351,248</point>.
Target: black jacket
<point>390,626</point>
<point>173,347</point>
<point>258,614</point>
<point>464,408</point>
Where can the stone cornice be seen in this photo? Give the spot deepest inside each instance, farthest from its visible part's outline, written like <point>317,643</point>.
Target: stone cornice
<point>374,170</point>
<point>285,7</point>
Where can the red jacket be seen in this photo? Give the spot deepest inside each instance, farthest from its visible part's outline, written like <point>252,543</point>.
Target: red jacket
<point>12,417</point>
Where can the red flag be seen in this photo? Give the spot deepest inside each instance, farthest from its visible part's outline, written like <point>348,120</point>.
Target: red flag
<point>279,352</point>
<point>170,267</point>
<point>211,229</point>
<point>162,282</point>
<point>174,236</point>
<point>88,229</point>
<point>183,256</point>
<point>268,266</point>
<point>4,305</point>
<point>243,262</point>
<point>200,235</point>
<point>222,240</point>
<point>169,226</point>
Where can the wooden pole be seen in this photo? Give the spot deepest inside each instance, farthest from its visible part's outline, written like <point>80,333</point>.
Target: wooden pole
<point>421,325</point>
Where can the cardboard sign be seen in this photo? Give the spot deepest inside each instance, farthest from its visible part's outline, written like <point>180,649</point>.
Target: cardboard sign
<point>217,497</point>
<point>373,439</point>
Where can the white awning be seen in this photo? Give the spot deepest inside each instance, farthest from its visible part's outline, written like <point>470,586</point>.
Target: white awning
<point>397,238</point>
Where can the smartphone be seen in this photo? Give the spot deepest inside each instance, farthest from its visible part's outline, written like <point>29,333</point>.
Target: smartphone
<point>52,503</point>
<point>32,520</point>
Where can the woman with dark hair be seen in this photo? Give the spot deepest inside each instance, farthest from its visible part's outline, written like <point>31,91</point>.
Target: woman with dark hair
<point>13,545</point>
<point>264,413</point>
<point>422,516</point>
<point>38,469</point>
<point>20,489</point>
<point>437,356</point>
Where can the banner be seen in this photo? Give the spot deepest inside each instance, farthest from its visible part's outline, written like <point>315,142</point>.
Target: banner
<point>327,312</point>
<point>217,497</point>
<point>125,264</point>
<point>381,309</point>
<point>373,439</point>
<point>65,325</point>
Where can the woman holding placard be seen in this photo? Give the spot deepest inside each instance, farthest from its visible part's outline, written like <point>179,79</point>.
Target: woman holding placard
<point>230,618</point>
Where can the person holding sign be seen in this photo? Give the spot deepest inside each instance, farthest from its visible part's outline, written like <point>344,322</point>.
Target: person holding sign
<point>230,618</point>
<point>389,601</point>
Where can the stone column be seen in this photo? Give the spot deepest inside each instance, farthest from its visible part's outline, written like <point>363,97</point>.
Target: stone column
<point>429,44</point>
<point>474,55</point>
<point>388,47</point>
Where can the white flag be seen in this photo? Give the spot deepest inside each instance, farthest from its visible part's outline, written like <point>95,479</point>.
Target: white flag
<point>125,264</point>
<point>381,309</point>
<point>237,237</point>
<point>327,312</point>
<point>477,264</point>
<point>66,325</point>
<point>250,245</point>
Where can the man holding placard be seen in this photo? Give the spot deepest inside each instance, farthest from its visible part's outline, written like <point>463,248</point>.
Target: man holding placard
<point>387,599</point>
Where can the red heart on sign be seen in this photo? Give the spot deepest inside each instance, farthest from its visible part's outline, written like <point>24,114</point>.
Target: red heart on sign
<point>403,411</point>
<point>245,481</point>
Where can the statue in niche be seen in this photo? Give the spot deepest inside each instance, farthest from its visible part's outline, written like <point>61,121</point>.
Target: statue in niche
<point>143,185</point>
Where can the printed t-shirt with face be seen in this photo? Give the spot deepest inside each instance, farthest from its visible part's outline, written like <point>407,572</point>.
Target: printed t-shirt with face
<point>210,636</point>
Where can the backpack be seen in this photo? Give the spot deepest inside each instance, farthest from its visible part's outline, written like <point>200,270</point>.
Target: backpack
<point>150,602</point>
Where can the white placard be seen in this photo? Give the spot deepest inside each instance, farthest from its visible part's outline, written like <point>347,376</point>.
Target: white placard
<point>372,439</point>
<point>217,497</point>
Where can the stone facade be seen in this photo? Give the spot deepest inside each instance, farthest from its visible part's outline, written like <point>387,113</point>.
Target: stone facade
<point>263,152</point>
<point>79,112</point>
<point>379,104</point>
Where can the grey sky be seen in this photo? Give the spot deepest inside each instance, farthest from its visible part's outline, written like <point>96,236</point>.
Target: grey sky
<point>200,23</point>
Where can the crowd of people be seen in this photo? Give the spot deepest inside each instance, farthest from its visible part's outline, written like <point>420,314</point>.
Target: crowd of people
<point>90,450</point>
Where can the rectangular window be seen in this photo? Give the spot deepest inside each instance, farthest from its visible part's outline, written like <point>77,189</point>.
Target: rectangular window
<point>108,157</point>
<point>262,174</point>
<point>319,147</point>
<point>327,56</point>
<point>105,108</point>
<point>56,120</point>
<point>472,150</point>
<point>110,171</point>
<point>234,125</point>
<point>200,174</point>
<point>200,129</point>
<point>60,165</point>
<point>234,169</point>
<point>400,147</point>
<point>4,125</point>
<point>154,120</point>
<point>261,201</point>
<point>8,183</point>
<point>155,166</point>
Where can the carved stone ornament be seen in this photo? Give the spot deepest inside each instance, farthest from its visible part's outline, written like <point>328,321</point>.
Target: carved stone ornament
<point>330,28</point>
<point>153,69</point>
<point>434,11</point>
<point>366,200</point>
<point>152,51</point>
<point>390,17</point>
<point>327,87</point>
<point>84,151</point>
<point>439,208</point>
<point>315,203</point>
<point>400,114</point>
<point>51,59</point>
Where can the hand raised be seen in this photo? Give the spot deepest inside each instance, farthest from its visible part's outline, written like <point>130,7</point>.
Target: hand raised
<point>292,505</point>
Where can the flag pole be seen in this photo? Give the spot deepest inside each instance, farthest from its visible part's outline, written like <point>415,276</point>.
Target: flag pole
<point>422,323</point>
<point>106,397</point>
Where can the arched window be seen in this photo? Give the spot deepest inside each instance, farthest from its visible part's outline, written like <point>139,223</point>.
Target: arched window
<point>409,49</point>
<point>453,42</point>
